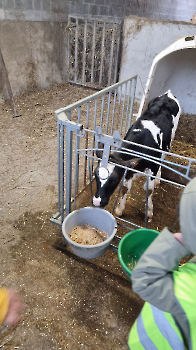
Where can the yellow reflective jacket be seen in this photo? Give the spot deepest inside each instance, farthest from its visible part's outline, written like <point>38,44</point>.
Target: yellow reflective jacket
<point>3,304</point>
<point>169,290</point>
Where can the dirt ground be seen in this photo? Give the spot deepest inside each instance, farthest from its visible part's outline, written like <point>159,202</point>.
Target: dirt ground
<point>71,303</point>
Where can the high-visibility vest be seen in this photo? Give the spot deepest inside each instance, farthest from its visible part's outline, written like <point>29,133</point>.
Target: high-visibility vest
<point>155,329</point>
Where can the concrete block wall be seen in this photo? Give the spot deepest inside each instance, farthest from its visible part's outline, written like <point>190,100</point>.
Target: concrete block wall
<point>58,10</point>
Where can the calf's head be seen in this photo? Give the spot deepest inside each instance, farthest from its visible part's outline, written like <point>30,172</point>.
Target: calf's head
<point>107,179</point>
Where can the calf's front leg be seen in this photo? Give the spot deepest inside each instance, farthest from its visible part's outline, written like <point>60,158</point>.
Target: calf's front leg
<point>151,185</point>
<point>122,201</point>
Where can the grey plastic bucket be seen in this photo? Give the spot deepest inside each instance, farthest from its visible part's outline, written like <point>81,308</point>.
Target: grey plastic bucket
<point>96,217</point>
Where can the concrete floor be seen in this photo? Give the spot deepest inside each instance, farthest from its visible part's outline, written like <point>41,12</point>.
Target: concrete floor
<point>71,303</point>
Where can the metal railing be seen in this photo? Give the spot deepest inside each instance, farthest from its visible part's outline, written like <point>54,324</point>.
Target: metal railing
<point>102,117</point>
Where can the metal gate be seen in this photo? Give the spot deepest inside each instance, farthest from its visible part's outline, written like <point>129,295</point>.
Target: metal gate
<point>93,51</point>
<point>104,116</point>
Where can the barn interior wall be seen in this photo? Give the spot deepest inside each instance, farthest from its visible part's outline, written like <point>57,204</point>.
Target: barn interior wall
<point>34,55</point>
<point>33,35</point>
<point>143,39</point>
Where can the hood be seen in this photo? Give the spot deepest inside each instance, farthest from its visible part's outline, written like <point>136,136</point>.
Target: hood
<point>188,216</point>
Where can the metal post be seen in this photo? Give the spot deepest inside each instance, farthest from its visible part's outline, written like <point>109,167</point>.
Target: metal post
<point>146,207</point>
<point>134,82</point>
<point>68,170</point>
<point>62,183</point>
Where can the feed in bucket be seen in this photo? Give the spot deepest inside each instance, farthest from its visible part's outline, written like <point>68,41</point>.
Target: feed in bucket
<point>98,218</point>
<point>87,234</point>
<point>132,246</point>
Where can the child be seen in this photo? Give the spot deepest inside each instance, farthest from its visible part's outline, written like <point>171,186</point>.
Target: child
<point>10,307</point>
<point>168,318</point>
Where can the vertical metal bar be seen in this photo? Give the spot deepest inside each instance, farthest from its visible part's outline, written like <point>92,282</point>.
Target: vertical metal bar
<point>68,170</point>
<point>77,148</point>
<point>84,54</point>
<point>76,50</point>
<point>59,165</point>
<point>128,102</point>
<point>86,144</point>
<point>76,169</point>
<point>119,103</point>
<point>95,120</point>
<point>108,111</point>
<point>120,94</point>
<point>111,58</point>
<point>87,114</point>
<point>93,53</point>
<point>62,173</point>
<point>79,114</point>
<point>146,208</point>
<point>123,108</point>
<point>188,168</point>
<point>113,112</point>
<point>90,177</point>
<point>134,82</point>
<point>95,114</point>
<point>102,54</point>
<point>102,109</point>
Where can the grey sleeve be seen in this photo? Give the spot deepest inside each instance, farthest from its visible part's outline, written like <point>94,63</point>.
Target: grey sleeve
<point>152,278</point>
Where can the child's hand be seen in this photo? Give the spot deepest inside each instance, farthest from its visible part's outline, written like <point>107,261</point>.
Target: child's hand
<point>178,236</point>
<point>15,308</point>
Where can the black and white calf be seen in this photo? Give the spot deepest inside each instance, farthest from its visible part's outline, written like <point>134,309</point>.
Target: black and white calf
<point>154,128</point>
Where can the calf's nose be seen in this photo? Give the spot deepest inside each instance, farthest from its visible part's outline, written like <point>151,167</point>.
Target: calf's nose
<point>97,201</point>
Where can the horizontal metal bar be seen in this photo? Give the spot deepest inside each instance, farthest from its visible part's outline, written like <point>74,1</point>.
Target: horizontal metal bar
<point>153,176</point>
<point>93,96</point>
<point>157,161</point>
<point>114,248</point>
<point>127,222</point>
<point>117,239</point>
<point>164,153</point>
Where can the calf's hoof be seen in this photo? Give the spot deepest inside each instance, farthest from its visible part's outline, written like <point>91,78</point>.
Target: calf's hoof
<point>157,183</point>
<point>118,212</point>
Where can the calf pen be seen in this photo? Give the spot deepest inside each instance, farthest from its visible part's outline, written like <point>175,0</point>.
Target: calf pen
<point>104,117</point>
